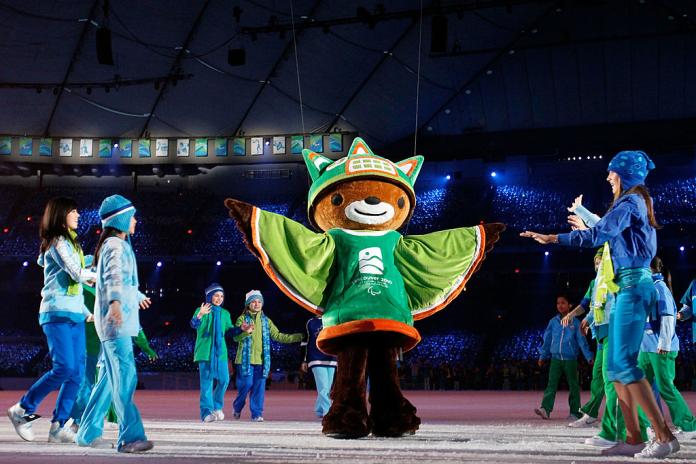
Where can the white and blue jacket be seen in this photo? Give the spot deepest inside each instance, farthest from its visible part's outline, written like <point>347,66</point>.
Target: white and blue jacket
<point>117,280</point>
<point>62,267</point>
<point>564,343</point>
<point>660,327</point>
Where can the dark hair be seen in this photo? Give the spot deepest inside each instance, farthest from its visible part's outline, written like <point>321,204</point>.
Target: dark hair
<point>656,265</point>
<point>643,191</point>
<point>107,232</point>
<point>565,296</point>
<point>54,223</point>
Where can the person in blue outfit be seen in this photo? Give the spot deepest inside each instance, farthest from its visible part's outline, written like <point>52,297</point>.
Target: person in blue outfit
<point>62,316</point>
<point>323,366</point>
<point>563,344</point>
<point>629,228</point>
<point>659,350</point>
<point>117,320</point>
<point>212,322</point>
<point>253,361</point>
<point>688,302</point>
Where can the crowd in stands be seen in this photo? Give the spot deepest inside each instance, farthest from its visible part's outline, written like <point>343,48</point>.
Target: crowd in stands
<point>452,361</point>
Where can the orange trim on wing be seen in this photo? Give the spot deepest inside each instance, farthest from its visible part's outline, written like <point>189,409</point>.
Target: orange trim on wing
<point>265,263</point>
<point>370,325</point>
<point>458,290</point>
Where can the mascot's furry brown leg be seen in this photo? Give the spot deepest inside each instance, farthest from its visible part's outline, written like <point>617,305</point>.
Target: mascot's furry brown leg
<point>392,415</point>
<point>348,417</point>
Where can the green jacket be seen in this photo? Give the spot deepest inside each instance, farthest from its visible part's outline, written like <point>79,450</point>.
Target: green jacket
<point>257,338</point>
<point>204,339</point>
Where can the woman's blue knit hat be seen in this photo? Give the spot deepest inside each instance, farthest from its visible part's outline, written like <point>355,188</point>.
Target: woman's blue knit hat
<point>116,211</point>
<point>632,167</point>
<point>211,290</point>
<point>253,295</point>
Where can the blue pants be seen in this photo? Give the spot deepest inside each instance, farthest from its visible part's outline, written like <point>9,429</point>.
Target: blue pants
<point>66,345</point>
<point>117,383</point>
<point>88,382</point>
<point>213,399</point>
<point>254,383</point>
<point>323,378</point>
<point>637,294</point>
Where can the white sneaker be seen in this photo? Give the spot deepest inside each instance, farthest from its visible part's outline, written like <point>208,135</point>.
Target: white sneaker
<point>22,421</point>
<point>650,433</point>
<point>257,419</point>
<point>657,450</point>
<point>219,415</point>
<point>541,412</point>
<point>684,435</point>
<point>210,418</point>
<point>100,443</point>
<point>584,421</point>
<point>58,434</point>
<point>623,449</point>
<point>600,442</point>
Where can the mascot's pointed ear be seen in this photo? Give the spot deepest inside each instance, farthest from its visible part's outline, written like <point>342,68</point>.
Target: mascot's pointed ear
<point>316,164</point>
<point>411,167</point>
<point>359,147</point>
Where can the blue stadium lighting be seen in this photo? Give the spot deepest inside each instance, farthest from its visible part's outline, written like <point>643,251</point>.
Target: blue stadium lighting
<point>448,177</point>
<point>494,174</point>
<point>546,253</point>
<point>219,263</point>
<point>681,248</point>
<point>159,263</point>
<point>25,263</point>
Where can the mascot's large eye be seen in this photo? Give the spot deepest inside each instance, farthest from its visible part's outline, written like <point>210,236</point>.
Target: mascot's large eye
<point>336,199</point>
<point>400,203</point>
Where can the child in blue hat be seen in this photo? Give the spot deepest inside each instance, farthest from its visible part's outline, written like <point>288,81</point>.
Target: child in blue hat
<point>211,322</point>
<point>117,306</point>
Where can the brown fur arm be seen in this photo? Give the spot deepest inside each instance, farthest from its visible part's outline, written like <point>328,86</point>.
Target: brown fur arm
<point>493,232</point>
<point>241,213</point>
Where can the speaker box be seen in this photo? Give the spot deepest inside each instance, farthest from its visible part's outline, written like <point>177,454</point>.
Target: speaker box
<point>236,57</point>
<point>438,36</point>
<point>104,55</point>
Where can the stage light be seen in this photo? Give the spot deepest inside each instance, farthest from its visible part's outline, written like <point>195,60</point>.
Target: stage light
<point>5,230</point>
<point>28,218</point>
<point>25,264</point>
<point>494,174</point>
<point>98,232</point>
<point>448,177</point>
<point>517,271</point>
<point>166,323</point>
<point>189,231</point>
<point>159,263</point>
<point>546,253</point>
<point>681,248</point>
<point>218,263</point>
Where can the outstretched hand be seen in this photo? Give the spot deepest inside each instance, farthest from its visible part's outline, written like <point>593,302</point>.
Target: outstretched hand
<point>577,202</point>
<point>567,320</point>
<point>541,238</point>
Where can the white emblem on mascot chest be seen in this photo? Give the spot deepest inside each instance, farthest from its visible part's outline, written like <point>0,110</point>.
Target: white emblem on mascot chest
<point>370,261</point>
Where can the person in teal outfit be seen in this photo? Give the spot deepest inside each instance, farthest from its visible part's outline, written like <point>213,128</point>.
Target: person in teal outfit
<point>688,302</point>
<point>117,306</point>
<point>629,228</point>
<point>212,322</point>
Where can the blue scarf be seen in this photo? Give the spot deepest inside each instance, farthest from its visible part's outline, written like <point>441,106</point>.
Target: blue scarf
<point>246,347</point>
<point>218,340</point>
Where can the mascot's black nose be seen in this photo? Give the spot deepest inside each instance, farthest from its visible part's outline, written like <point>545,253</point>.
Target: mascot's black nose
<point>372,201</point>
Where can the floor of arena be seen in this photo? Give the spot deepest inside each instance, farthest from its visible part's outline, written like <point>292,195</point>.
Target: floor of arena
<point>469,426</point>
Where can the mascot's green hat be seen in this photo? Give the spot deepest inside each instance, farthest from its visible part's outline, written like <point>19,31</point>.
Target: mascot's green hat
<point>360,163</point>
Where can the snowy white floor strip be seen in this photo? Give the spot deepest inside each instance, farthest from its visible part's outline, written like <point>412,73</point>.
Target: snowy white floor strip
<point>300,442</point>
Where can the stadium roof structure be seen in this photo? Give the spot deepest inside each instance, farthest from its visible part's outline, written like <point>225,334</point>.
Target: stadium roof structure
<point>494,74</point>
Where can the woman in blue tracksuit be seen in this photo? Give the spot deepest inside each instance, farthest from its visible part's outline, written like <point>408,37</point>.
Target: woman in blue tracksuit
<point>629,228</point>
<point>117,321</point>
<point>562,344</point>
<point>62,316</point>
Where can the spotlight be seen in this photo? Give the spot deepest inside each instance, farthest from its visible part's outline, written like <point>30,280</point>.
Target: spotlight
<point>267,142</point>
<point>25,264</point>
<point>189,231</point>
<point>681,248</point>
<point>28,218</point>
<point>115,145</point>
<point>5,230</point>
<point>448,177</point>
<point>159,263</point>
<point>546,253</point>
<point>218,263</point>
<point>517,271</point>
<point>494,174</point>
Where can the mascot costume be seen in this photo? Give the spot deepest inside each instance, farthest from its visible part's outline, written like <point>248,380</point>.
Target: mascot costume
<point>367,280</point>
